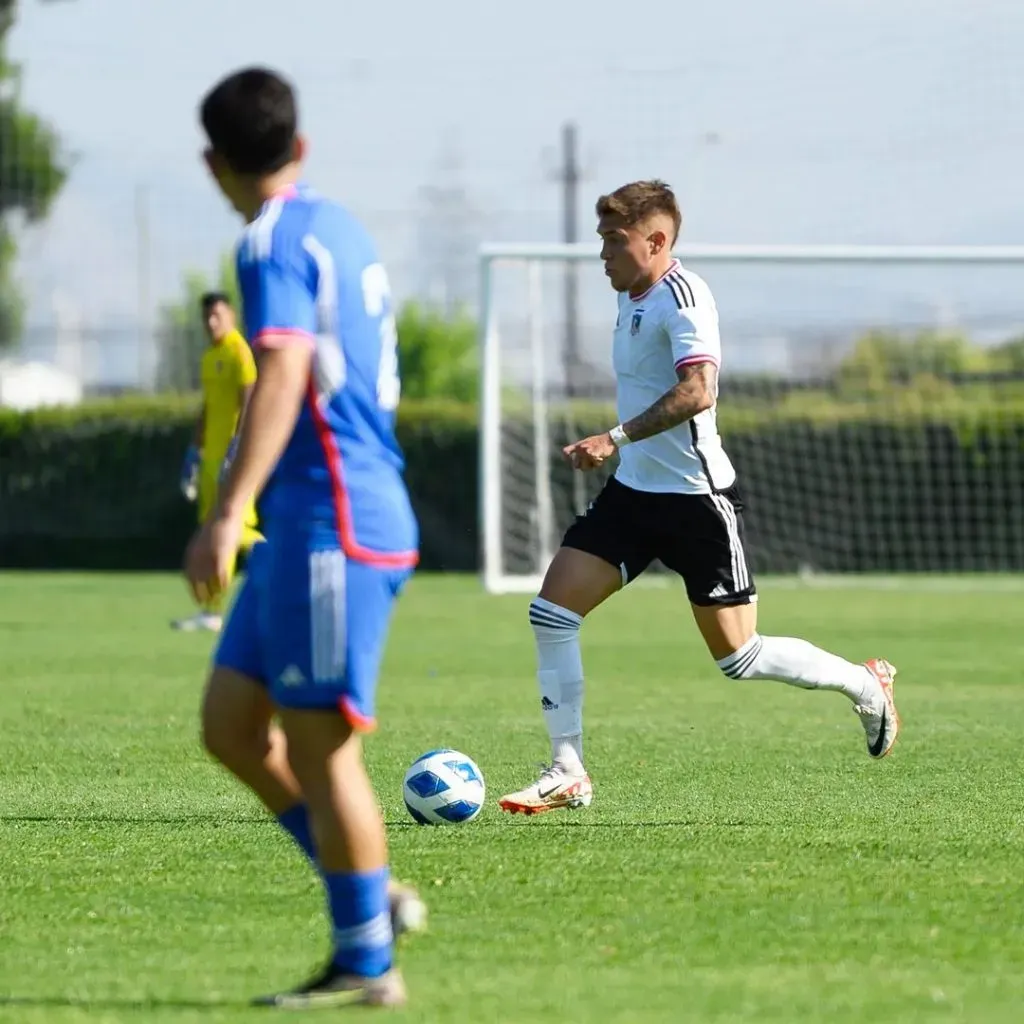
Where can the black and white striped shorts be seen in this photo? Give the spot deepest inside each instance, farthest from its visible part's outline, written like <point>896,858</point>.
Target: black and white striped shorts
<point>699,536</point>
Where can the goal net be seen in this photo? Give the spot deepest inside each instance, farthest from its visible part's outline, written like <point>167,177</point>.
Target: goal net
<point>872,399</point>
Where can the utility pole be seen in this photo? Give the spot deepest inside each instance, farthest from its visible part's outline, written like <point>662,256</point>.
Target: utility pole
<point>570,179</point>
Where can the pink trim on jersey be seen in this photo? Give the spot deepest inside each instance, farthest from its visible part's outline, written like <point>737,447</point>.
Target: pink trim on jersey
<point>281,337</point>
<point>354,717</point>
<point>693,360</point>
<point>674,265</point>
<point>342,507</point>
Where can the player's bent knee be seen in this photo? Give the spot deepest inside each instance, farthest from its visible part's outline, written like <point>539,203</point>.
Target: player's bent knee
<point>553,622</point>
<point>726,628</point>
<point>579,581</point>
<point>318,742</point>
<point>235,719</point>
<point>742,663</point>
<point>234,746</point>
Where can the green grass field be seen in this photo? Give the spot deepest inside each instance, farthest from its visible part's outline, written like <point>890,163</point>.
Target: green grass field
<point>744,860</point>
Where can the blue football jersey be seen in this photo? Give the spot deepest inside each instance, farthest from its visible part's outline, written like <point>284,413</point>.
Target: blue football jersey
<point>309,275</point>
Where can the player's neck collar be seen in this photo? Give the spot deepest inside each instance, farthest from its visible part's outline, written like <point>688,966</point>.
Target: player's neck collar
<point>232,335</point>
<point>282,195</point>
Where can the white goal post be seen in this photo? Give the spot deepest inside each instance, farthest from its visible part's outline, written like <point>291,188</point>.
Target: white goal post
<point>837,358</point>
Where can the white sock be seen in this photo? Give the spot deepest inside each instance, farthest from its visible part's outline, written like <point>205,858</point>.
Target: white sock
<point>560,674</point>
<point>800,664</point>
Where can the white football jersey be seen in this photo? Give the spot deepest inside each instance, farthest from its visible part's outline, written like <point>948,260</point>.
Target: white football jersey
<point>673,323</point>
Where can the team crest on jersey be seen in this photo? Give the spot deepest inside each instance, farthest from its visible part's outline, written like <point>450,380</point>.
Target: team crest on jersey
<point>634,327</point>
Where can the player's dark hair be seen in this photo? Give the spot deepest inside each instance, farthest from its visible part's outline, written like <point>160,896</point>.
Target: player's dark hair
<point>251,119</point>
<point>638,201</point>
<point>211,299</point>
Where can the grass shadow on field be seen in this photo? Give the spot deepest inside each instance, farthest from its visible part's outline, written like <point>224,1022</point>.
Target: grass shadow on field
<point>527,822</point>
<point>127,819</point>
<point>100,1003</point>
<point>218,820</point>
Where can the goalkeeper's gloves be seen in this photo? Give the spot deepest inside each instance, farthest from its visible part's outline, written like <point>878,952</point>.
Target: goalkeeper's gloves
<point>189,482</point>
<point>229,457</point>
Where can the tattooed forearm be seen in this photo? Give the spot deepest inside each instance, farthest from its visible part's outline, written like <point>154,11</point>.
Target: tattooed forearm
<point>694,393</point>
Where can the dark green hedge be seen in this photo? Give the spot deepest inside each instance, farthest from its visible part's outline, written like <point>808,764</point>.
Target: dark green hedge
<point>895,484</point>
<point>97,486</point>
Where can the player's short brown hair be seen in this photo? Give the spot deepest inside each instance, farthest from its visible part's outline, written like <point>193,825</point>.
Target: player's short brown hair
<point>640,200</point>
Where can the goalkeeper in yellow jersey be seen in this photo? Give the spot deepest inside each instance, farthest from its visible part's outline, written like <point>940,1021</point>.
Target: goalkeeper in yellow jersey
<point>227,375</point>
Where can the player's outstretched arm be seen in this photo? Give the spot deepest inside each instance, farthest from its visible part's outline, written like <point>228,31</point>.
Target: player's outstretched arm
<point>691,395</point>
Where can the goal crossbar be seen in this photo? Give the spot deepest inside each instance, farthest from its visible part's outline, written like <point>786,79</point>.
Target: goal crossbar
<point>492,517</point>
<point>905,254</point>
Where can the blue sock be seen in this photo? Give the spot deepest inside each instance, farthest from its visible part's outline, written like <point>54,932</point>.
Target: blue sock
<point>295,821</point>
<point>362,922</point>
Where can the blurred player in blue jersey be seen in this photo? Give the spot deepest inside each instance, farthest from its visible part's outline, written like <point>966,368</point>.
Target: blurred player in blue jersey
<point>305,637</point>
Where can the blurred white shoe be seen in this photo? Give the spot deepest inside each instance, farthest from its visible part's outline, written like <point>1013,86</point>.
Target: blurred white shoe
<point>200,621</point>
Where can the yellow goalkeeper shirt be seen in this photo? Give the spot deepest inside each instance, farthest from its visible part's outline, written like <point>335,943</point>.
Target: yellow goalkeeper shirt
<point>226,368</point>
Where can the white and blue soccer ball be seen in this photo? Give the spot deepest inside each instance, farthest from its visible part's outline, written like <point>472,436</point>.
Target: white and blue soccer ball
<point>444,787</point>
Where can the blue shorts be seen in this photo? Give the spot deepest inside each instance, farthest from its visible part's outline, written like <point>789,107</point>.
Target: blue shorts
<point>311,626</point>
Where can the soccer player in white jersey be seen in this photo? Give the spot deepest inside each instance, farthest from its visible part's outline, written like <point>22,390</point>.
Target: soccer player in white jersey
<point>673,498</point>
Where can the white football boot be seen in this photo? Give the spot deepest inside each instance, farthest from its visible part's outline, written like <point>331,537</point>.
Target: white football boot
<point>199,622</point>
<point>879,718</point>
<point>557,787</point>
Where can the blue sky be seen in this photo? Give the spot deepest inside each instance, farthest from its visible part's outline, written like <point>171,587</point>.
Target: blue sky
<point>846,121</point>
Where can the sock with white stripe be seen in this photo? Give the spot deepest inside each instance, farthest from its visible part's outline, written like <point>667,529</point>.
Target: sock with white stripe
<point>361,916</point>
<point>560,674</point>
<point>798,663</point>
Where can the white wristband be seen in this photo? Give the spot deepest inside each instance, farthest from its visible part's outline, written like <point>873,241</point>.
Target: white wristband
<point>618,436</point>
